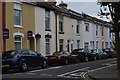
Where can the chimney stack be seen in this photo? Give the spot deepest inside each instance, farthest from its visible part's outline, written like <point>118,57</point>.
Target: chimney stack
<point>63,4</point>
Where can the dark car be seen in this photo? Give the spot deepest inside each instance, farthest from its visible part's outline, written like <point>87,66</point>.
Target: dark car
<point>81,55</point>
<point>60,57</point>
<point>110,52</point>
<point>103,54</point>
<point>22,59</point>
<point>84,54</point>
<point>96,54</point>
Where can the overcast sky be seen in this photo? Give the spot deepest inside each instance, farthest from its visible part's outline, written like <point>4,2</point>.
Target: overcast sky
<point>87,6</point>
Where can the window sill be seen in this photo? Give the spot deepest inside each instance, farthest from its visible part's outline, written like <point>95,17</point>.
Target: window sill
<point>47,30</point>
<point>61,32</point>
<point>18,26</point>
<point>78,34</point>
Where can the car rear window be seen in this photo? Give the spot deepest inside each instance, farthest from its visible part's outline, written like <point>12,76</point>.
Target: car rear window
<point>8,54</point>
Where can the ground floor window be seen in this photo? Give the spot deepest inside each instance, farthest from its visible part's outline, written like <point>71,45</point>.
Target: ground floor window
<point>68,45</point>
<point>86,45</point>
<point>106,44</point>
<point>48,46</point>
<point>102,44</point>
<point>78,44</point>
<point>96,44</point>
<point>18,42</point>
<point>61,44</point>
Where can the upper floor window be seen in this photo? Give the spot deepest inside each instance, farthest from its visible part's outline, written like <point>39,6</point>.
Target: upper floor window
<point>87,27</point>
<point>60,23</point>
<point>17,14</point>
<point>96,30</point>
<point>47,20</point>
<point>77,28</point>
<point>102,31</point>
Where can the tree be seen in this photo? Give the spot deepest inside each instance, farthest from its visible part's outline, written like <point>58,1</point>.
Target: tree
<point>113,9</point>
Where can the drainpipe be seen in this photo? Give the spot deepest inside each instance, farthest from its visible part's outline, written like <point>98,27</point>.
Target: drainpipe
<point>3,23</point>
<point>56,30</point>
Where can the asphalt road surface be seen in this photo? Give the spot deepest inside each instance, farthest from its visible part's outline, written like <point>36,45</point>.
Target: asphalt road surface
<point>64,72</point>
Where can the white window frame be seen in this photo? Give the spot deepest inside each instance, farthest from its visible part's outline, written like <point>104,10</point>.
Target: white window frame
<point>47,16</point>
<point>18,6</point>
<point>87,27</point>
<point>18,41</point>
<point>78,44</point>
<point>61,42</point>
<point>96,30</point>
<point>46,45</point>
<point>61,19</point>
<point>78,27</point>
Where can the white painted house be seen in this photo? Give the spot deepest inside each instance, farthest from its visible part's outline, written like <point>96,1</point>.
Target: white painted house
<point>45,26</point>
<point>59,28</point>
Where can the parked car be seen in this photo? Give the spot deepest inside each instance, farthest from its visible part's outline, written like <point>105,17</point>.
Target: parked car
<point>96,54</point>
<point>22,59</point>
<point>110,53</point>
<point>84,54</point>
<point>81,55</point>
<point>60,57</point>
<point>103,54</point>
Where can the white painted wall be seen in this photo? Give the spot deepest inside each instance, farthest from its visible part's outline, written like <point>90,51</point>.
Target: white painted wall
<point>40,28</point>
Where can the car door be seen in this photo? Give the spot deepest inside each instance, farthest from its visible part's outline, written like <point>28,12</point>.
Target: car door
<point>36,59</point>
<point>25,55</point>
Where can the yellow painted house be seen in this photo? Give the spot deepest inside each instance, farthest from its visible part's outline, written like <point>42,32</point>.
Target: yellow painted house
<point>20,19</point>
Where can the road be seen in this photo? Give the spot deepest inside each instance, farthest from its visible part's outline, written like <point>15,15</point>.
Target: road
<point>64,72</point>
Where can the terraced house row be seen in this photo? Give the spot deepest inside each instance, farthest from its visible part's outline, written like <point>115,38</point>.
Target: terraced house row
<point>45,28</point>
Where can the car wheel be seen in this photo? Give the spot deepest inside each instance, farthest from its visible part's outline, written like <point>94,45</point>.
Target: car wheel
<point>44,65</point>
<point>24,66</point>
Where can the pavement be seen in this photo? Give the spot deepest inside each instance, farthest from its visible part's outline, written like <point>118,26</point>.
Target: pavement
<point>105,73</point>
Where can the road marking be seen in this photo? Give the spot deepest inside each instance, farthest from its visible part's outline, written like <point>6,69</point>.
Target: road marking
<point>84,75</point>
<point>37,70</point>
<point>101,68</point>
<point>75,75</point>
<point>55,67</point>
<point>81,74</point>
<point>46,69</point>
<point>45,74</point>
<point>107,64</point>
<point>72,72</point>
<point>31,73</point>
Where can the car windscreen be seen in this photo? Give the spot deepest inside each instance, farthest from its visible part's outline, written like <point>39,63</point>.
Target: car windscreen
<point>59,52</point>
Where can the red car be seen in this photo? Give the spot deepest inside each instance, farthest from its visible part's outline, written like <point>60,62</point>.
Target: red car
<point>60,57</point>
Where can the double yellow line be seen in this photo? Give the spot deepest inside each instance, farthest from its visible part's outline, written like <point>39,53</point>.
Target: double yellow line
<point>83,75</point>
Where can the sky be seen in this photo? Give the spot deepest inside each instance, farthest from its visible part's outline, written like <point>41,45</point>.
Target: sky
<point>89,7</point>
